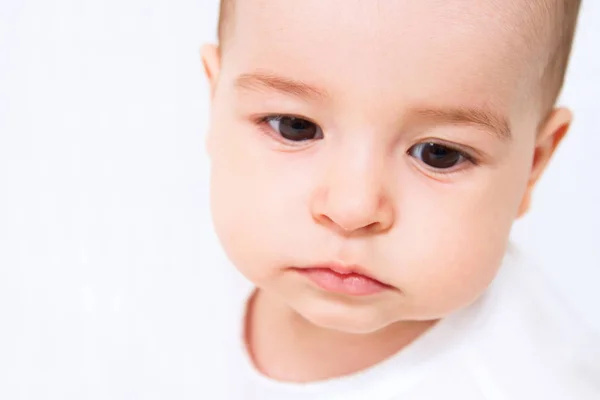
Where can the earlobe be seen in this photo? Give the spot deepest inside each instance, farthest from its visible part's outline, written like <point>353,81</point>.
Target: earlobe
<point>212,65</point>
<point>525,204</point>
<point>548,139</point>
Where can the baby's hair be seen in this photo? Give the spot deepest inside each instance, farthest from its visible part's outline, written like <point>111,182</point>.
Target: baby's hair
<point>556,18</point>
<point>562,22</point>
<point>225,19</point>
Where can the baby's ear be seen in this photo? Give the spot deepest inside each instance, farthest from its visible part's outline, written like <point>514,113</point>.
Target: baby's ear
<point>548,138</point>
<point>211,60</point>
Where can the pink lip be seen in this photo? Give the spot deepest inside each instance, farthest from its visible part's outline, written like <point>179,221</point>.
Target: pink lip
<point>343,280</point>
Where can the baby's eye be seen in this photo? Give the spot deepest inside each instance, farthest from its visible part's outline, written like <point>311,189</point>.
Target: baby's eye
<point>437,156</point>
<point>294,129</point>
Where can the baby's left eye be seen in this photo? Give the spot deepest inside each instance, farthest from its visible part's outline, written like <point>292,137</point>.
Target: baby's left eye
<point>437,156</point>
<point>294,129</point>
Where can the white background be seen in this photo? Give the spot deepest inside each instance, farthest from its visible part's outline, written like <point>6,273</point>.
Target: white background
<point>110,285</point>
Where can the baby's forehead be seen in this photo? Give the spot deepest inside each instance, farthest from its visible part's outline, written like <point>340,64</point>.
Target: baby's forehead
<point>479,27</point>
<point>515,34</point>
<point>429,47</point>
<point>526,17</point>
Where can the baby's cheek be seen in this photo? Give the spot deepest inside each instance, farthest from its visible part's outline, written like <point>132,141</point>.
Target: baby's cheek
<point>247,215</point>
<point>456,256</point>
<point>454,278</point>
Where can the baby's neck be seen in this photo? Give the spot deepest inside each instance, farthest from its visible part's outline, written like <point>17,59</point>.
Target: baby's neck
<point>286,347</point>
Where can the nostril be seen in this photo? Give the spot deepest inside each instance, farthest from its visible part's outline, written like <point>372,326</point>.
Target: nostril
<point>374,226</point>
<point>325,220</point>
<point>345,230</point>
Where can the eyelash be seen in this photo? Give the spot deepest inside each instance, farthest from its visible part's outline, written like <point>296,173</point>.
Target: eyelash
<point>263,122</point>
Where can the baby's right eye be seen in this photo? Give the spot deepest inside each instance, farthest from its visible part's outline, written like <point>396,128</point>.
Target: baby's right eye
<point>294,129</point>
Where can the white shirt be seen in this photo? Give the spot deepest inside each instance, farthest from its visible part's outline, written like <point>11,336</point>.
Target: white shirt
<point>518,341</point>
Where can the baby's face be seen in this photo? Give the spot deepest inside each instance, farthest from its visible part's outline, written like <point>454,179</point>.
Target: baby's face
<point>395,135</point>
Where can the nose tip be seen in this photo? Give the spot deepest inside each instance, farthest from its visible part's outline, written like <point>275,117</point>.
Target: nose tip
<point>366,213</point>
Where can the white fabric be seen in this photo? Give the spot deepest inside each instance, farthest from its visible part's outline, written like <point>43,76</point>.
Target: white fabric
<point>518,341</point>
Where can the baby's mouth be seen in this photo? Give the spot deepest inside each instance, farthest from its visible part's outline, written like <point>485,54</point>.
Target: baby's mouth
<point>341,279</point>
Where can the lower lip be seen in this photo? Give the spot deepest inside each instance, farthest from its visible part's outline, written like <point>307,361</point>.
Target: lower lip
<point>349,284</point>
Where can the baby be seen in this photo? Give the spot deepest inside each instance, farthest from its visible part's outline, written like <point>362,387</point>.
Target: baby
<point>369,158</point>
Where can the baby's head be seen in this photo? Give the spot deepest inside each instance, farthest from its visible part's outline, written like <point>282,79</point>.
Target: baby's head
<point>401,136</point>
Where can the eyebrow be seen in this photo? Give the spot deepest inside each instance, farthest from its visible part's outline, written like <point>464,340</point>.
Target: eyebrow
<point>498,124</point>
<point>261,81</point>
<point>481,117</point>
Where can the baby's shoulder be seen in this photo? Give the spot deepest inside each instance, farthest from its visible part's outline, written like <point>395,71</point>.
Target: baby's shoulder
<point>530,342</point>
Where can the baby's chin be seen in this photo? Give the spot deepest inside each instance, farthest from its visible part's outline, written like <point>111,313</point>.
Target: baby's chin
<point>345,323</point>
<point>352,318</point>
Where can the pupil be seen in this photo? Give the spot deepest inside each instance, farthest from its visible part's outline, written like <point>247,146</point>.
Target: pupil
<point>439,156</point>
<point>298,125</point>
<point>297,129</point>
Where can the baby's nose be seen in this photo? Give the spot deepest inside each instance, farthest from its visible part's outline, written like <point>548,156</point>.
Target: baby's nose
<point>353,203</point>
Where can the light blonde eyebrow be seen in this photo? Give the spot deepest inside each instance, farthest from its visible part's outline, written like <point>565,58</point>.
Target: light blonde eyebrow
<point>265,81</point>
<point>261,81</point>
<point>499,125</point>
